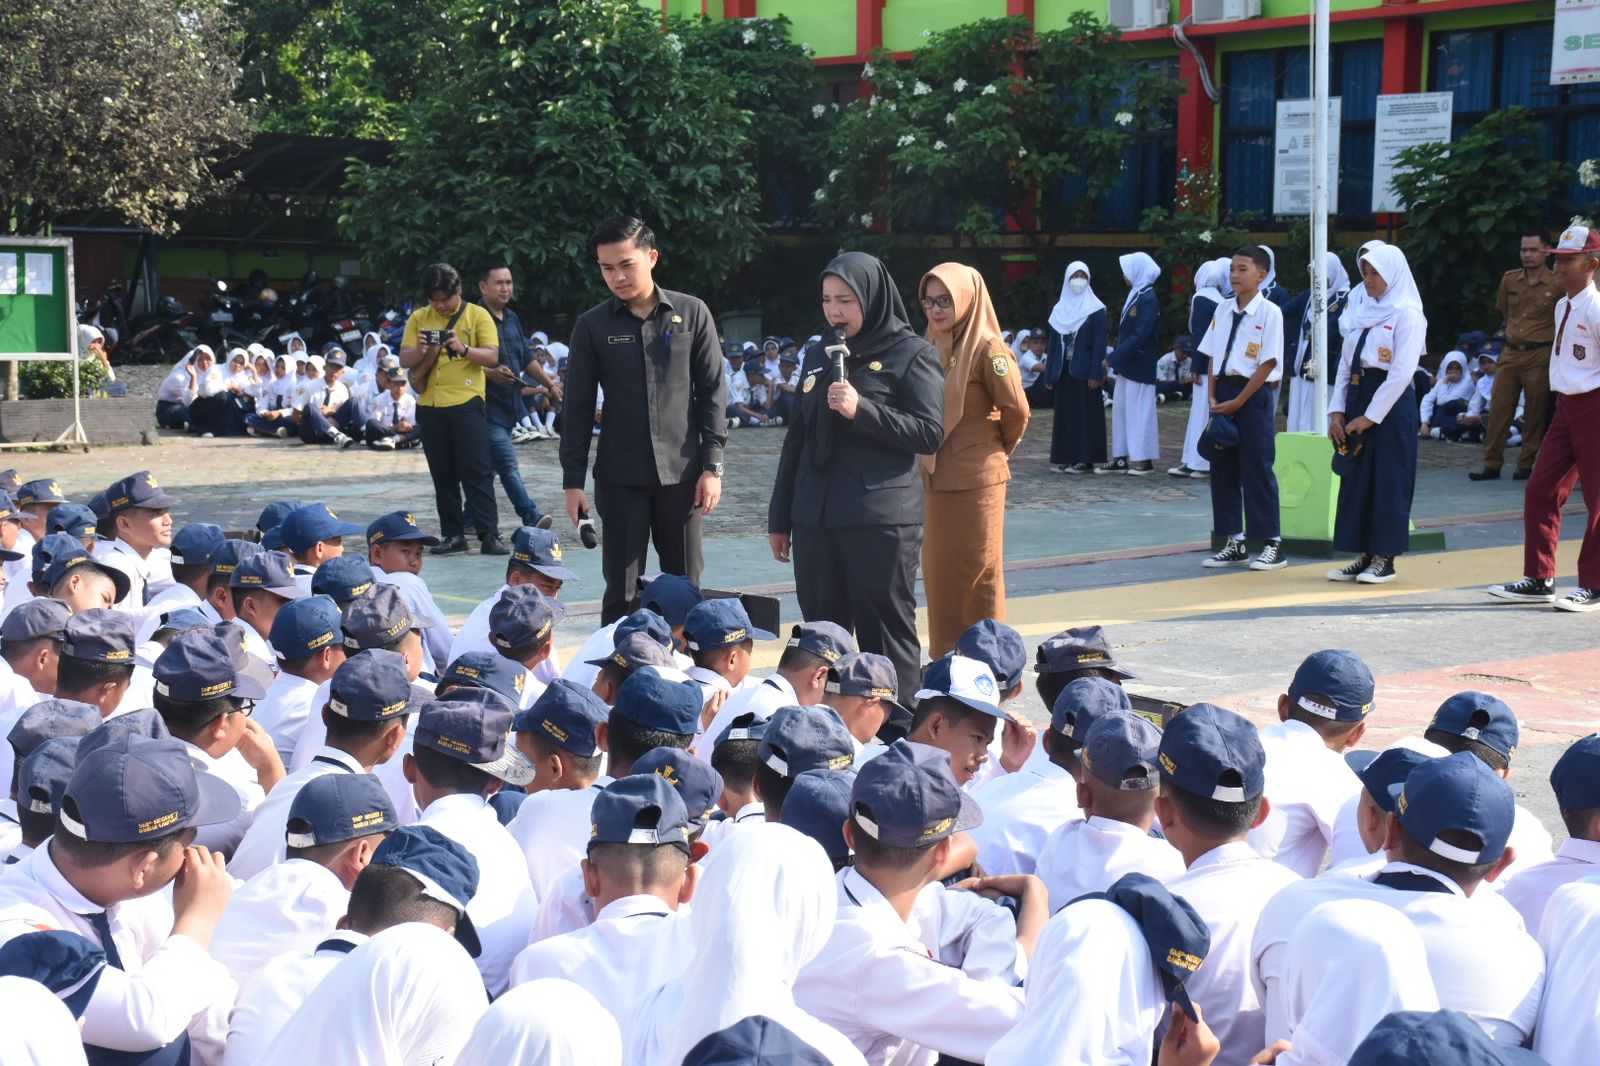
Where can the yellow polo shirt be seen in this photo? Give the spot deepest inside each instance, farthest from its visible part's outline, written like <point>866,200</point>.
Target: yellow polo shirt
<point>454,381</point>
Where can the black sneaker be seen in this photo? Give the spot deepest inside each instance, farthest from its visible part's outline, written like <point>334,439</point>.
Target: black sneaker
<point>1232,554</point>
<point>455,545</point>
<point>1271,557</point>
<point>1351,572</point>
<point>1381,572</point>
<point>1115,466</point>
<point>1080,468</point>
<point>1580,601</point>
<point>1143,468</point>
<point>1485,474</point>
<point>1528,590</point>
<point>1182,470</point>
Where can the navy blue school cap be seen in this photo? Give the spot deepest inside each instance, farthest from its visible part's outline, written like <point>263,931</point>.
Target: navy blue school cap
<point>997,646</point>
<point>817,805</point>
<point>1458,792</point>
<point>49,719</point>
<point>644,621</point>
<point>135,788</point>
<point>378,619</point>
<point>798,739</point>
<point>304,526</point>
<point>1575,778</point>
<point>373,686</point>
<point>75,520</point>
<point>146,722</point>
<point>567,715</point>
<point>698,784</point>
<point>471,725</point>
<point>183,618</point>
<point>47,548</point>
<point>137,490</point>
<point>720,623</point>
<point>828,641</point>
<point>194,544</point>
<point>1481,717</point>
<point>672,596</point>
<point>634,650</point>
<point>234,551</point>
<point>446,871</point>
<point>10,481</point>
<point>522,617</point>
<point>267,571</point>
<point>1214,754</point>
<point>43,774</point>
<point>747,726</point>
<point>100,635</point>
<point>863,673</point>
<point>967,681</point>
<point>1082,702</point>
<point>8,509</point>
<point>270,521</point>
<point>1436,1038</point>
<point>74,558</point>
<point>1384,771</point>
<point>485,669</point>
<point>639,809</point>
<point>304,627</point>
<point>756,1040</point>
<point>40,490</point>
<point>1177,936</point>
<point>35,619</point>
<point>68,964</point>
<point>209,662</point>
<point>654,700</point>
<point>1079,648</point>
<point>343,578</point>
<point>908,797</point>
<point>1333,685</point>
<point>397,525</point>
<point>1123,750</point>
<point>334,808</point>
<point>540,549</point>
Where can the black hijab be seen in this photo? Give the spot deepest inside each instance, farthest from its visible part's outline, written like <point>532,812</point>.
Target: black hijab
<point>884,321</point>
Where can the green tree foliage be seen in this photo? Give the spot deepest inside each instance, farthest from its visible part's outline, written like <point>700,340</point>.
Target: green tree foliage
<point>113,108</point>
<point>1189,235</point>
<point>53,380</point>
<point>957,138</point>
<point>1468,202</point>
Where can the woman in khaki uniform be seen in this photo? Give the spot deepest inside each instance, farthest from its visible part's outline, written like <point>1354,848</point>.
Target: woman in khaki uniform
<point>985,414</point>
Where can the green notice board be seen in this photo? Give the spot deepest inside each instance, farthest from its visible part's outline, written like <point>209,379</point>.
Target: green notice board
<point>36,312</point>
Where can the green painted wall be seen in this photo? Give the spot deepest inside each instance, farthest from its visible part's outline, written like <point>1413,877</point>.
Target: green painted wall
<point>904,21</point>
<point>828,26</point>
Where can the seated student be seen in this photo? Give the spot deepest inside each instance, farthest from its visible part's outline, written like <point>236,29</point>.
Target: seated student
<point>736,758</point>
<point>1000,648</point>
<point>224,561</point>
<point>1117,792</point>
<point>535,560</point>
<point>41,780</point>
<point>1171,370</point>
<point>634,648</point>
<point>785,386</point>
<point>805,668</point>
<point>1322,716</point>
<point>30,656</point>
<point>460,757</point>
<point>370,698</point>
<point>818,805</point>
<point>96,662</point>
<point>1446,839</point>
<point>394,412</point>
<point>795,740</point>
<point>1569,1022</point>
<point>313,534</point>
<point>1474,422</point>
<point>259,587</point>
<point>547,1021</point>
<point>192,548</point>
<point>720,638</point>
<point>309,641</point>
<point>1379,776</point>
<point>123,833</point>
<point>756,408</point>
<point>417,875</point>
<point>394,550</point>
<point>905,808</point>
<point>1575,779</point>
<point>560,735</point>
<point>75,520</point>
<point>637,872</point>
<point>335,824</point>
<point>139,512</point>
<point>957,708</point>
<point>323,411</point>
<point>35,500</point>
<point>1213,782</point>
<point>343,579</point>
<point>1445,403</point>
<point>1488,728</point>
<point>522,627</point>
<point>861,687</point>
<point>696,781</point>
<point>83,582</point>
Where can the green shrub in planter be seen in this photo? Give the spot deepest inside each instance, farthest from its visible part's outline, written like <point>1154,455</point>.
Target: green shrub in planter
<point>53,381</point>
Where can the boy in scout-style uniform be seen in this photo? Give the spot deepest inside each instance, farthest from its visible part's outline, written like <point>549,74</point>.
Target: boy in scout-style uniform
<point>1526,299</point>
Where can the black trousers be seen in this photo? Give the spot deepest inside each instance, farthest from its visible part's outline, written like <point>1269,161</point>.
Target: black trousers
<point>456,443</point>
<point>632,517</point>
<point>1079,435</point>
<point>865,579</point>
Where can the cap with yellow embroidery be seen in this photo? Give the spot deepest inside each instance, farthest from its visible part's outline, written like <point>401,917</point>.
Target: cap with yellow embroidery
<point>73,557</point>
<point>373,686</point>
<point>1173,930</point>
<point>334,808</point>
<point>698,785</point>
<point>305,526</point>
<point>397,525</point>
<point>137,490</point>
<point>798,739</point>
<point>208,662</point>
<point>379,618</point>
<point>719,623</point>
<point>471,725</point>
<point>485,669</point>
<point>523,617</point>
<point>539,549</point>
<point>135,788</point>
<point>1214,754</point>
<point>565,715</point>
<point>42,491</point>
<point>1333,685</point>
<point>100,635</point>
<point>9,511</point>
<point>908,798</point>
<point>343,578</point>
<point>1481,717</point>
<point>639,809</point>
<point>1578,240</point>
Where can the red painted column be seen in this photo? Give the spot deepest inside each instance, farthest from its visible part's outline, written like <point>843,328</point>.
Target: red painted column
<point>739,9</point>
<point>1402,69</point>
<point>869,27</point>
<point>1020,7</point>
<point>1196,112</point>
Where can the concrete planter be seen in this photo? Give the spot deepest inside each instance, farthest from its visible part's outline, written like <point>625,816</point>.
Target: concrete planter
<point>123,420</point>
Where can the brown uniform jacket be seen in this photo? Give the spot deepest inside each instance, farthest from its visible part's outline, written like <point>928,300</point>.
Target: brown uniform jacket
<point>993,418</point>
<point>1529,309</point>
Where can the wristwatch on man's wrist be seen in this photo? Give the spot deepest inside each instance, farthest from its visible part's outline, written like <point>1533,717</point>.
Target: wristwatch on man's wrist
<point>714,468</point>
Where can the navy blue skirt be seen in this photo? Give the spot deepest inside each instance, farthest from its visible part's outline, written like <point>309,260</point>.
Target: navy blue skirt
<point>1374,515</point>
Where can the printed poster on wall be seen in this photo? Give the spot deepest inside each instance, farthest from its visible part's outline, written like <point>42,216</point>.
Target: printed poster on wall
<point>1291,171</point>
<point>1575,51</point>
<point>1405,120</point>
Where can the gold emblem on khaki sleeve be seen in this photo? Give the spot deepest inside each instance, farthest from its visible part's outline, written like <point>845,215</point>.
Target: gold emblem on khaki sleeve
<point>1001,368</point>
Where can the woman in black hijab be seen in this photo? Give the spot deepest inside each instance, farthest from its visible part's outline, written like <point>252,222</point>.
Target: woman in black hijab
<point>848,498</point>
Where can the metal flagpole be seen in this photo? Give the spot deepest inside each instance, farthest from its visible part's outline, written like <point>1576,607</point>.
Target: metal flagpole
<point>1320,134</point>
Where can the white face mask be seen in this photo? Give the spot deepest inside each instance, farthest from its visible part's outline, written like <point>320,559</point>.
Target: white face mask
<point>1077,285</point>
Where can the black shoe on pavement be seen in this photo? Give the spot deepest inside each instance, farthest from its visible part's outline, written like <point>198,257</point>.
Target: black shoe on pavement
<point>493,546</point>
<point>1521,475</point>
<point>544,523</point>
<point>1528,590</point>
<point>1352,572</point>
<point>1485,474</point>
<point>1579,601</point>
<point>1270,557</point>
<point>1232,553</point>
<point>1381,572</point>
<point>455,545</point>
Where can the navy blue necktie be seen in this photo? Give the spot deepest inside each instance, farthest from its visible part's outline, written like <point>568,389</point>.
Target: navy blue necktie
<point>102,929</point>
<point>1410,882</point>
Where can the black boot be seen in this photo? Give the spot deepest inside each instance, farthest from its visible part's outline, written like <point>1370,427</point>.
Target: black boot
<point>493,545</point>
<point>455,545</point>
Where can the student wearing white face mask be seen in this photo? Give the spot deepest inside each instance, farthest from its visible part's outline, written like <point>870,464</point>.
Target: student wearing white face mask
<point>1076,373</point>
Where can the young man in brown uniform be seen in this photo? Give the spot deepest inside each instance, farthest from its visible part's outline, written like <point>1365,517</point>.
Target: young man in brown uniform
<point>1527,300</point>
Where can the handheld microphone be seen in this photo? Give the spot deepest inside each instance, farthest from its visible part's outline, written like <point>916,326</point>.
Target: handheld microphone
<point>586,530</point>
<point>837,350</point>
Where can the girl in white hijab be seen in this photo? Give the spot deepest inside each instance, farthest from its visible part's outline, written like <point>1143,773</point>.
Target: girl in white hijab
<point>36,1028</point>
<point>764,907</point>
<point>410,996</point>
<point>1448,399</point>
<point>1134,441</point>
<point>1301,372</point>
<point>1212,289</point>
<point>1372,418</point>
<point>1358,294</point>
<point>1076,373</point>
<point>548,1022</point>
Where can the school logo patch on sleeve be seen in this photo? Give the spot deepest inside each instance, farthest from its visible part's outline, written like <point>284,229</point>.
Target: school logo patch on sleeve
<point>810,383</point>
<point>1385,355</point>
<point>1252,350</point>
<point>1001,367</point>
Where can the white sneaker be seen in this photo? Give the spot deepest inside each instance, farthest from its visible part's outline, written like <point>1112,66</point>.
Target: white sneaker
<point>733,423</point>
<point>384,443</point>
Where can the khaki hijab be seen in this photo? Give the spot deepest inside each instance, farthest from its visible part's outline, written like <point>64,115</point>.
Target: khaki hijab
<point>975,336</point>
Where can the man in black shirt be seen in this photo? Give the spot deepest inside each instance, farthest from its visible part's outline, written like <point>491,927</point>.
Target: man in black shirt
<point>659,467</point>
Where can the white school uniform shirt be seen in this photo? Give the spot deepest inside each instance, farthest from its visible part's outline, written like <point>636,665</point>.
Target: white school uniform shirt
<point>1569,1018</point>
<point>36,1028</point>
<point>436,637</point>
<point>550,1022</point>
<point>257,645</point>
<point>168,983</point>
<point>16,696</point>
<point>1575,358</point>
<point>1307,785</point>
<point>287,909</point>
<point>285,709</point>
<point>1483,962</point>
<point>1020,811</point>
<point>1530,890</point>
<point>174,597</point>
<point>552,829</point>
<point>143,571</point>
<point>564,908</point>
<point>10,829</point>
<point>474,636</point>
<point>718,829</point>
<point>231,767</point>
<point>970,932</point>
<point>391,414</point>
<point>762,697</point>
<point>877,983</point>
<point>1260,338</point>
<point>263,845</point>
<point>269,998</point>
<point>504,907</point>
<point>314,737</point>
<point>1394,345</point>
<point>738,389</point>
<point>1090,855</point>
<point>1229,886</point>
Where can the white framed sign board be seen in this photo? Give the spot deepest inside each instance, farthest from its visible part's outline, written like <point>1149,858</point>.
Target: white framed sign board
<point>1405,120</point>
<point>1575,50</point>
<point>1291,158</point>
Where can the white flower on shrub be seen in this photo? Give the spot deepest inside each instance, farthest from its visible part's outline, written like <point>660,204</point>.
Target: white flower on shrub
<point>959,85</point>
<point>1123,118</point>
<point>905,139</point>
<point>921,88</point>
<point>748,36</point>
<point>990,89</point>
<point>939,146</point>
<point>818,110</point>
<point>866,220</point>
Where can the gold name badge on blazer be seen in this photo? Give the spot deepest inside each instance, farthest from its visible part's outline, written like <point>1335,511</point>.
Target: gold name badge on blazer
<point>810,383</point>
